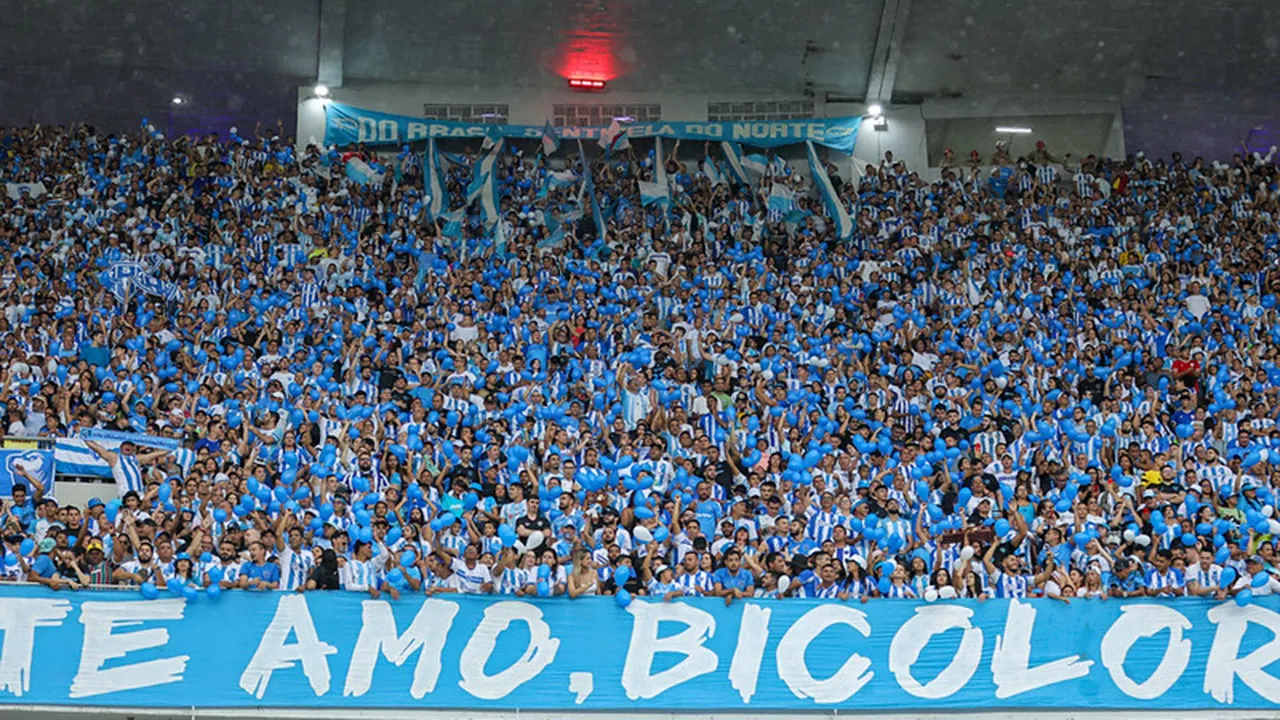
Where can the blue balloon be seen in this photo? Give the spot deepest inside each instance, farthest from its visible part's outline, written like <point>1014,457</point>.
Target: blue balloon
<point>149,591</point>
<point>1188,540</point>
<point>622,575</point>
<point>622,597</point>
<point>544,588</point>
<point>1244,597</point>
<point>544,572</point>
<point>213,591</point>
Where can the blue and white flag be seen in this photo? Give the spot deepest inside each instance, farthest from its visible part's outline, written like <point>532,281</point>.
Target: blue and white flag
<point>436,200</point>
<point>713,171</point>
<point>826,191</point>
<point>614,137</point>
<point>756,164</point>
<point>561,178</point>
<point>658,191</point>
<point>550,143</point>
<point>453,223</point>
<point>362,173</point>
<point>733,154</point>
<point>39,464</point>
<point>781,202</point>
<point>152,285</point>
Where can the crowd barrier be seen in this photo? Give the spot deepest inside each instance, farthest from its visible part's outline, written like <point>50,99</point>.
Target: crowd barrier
<point>110,649</point>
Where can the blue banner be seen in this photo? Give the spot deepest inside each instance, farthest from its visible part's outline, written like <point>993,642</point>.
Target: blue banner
<point>38,464</point>
<point>345,125</point>
<point>340,649</point>
<point>115,436</point>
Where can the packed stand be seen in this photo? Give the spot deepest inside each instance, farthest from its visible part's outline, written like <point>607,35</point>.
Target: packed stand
<point>1029,378</point>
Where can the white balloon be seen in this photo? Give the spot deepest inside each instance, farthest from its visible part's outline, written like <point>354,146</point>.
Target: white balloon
<point>642,534</point>
<point>1268,511</point>
<point>535,539</point>
<point>966,552</point>
<point>1143,540</point>
<point>930,594</point>
<point>519,546</point>
<point>946,592</point>
<point>1275,526</point>
<point>233,130</point>
<point>1129,535</point>
<point>784,583</point>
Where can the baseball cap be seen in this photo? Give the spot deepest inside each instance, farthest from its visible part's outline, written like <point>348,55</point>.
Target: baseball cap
<point>46,545</point>
<point>95,502</point>
<point>94,544</point>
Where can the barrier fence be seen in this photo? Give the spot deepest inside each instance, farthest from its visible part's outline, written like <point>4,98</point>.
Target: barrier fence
<point>326,650</point>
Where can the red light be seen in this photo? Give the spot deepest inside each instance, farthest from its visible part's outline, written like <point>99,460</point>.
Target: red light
<point>585,84</point>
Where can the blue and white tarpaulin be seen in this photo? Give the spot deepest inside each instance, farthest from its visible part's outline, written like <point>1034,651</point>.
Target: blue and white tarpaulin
<point>37,463</point>
<point>345,125</point>
<point>826,191</point>
<point>345,650</point>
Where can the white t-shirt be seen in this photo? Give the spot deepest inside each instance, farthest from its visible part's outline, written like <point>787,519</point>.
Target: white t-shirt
<point>470,580</point>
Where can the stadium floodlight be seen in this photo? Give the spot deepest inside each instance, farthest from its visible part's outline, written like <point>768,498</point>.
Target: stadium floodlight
<point>875,110</point>
<point>177,100</point>
<point>322,90</point>
<point>1014,130</point>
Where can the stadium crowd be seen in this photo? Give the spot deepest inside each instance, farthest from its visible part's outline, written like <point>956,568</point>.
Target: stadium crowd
<point>1030,377</point>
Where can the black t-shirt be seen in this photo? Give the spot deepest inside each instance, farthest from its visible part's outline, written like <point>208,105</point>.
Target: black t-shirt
<point>535,524</point>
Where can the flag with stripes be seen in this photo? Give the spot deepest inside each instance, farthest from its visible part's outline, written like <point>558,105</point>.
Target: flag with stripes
<point>436,200</point>
<point>733,155</point>
<point>782,200</point>
<point>614,137</point>
<point>550,143</point>
<point>756,165</point>
<point>362,173</point>
<point>453,223</point>
<point>713,172</point>
<point>826,191</point>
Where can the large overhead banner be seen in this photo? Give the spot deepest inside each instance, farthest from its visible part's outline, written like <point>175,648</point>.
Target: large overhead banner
<point>345,125</point>
<point>344,649</point>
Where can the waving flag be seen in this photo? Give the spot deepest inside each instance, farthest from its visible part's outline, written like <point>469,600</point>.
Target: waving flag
<point>713,171</point>
<point>453,223</point>
<point>436,201</point>
<point>550,143</point>
<point>614,137</point>
<point>733,154</point>
<point>827,191</point>
<point>756,164</point>
<point>658,191</point>
<point>781,202</point>
<point>363,173</point>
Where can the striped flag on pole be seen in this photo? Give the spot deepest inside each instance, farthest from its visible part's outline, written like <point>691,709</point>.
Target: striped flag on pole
<point>550,143</point>
<point>826,191</point>
<point>614,137</point>
<point>436,200</point>
<point>733,154</point>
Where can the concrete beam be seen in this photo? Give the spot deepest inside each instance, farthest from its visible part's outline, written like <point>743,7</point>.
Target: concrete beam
<point>888,51</point>
<point>333,27</point>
